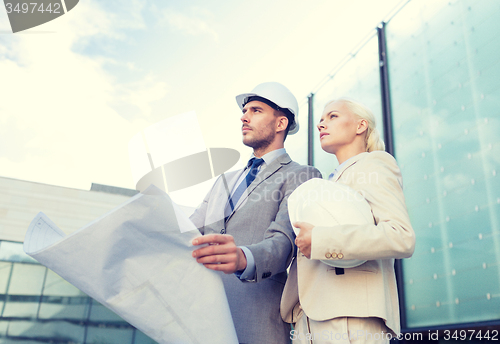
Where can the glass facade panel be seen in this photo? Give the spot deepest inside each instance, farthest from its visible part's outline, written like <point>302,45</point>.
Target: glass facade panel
<point>27,279</point>
<point>98,335</point>
<point>4,325</point>
<point>5,270</point>
<point>296,145</point>
<point>56,286</point>
<point>15,341</point>
<point>13,252</point>
<point>358,79</point>
<point>24,309</point>
<point>99,313</point>
<point>65,310</point>
<point>141,338</point>
<point>56,330</point>
<point>444,66</point>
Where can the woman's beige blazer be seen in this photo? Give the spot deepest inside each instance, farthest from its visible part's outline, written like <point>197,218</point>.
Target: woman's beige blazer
<point>368,290</point>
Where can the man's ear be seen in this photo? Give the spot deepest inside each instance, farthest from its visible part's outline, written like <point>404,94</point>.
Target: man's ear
<point>362,126</point>
<point>282,124</point>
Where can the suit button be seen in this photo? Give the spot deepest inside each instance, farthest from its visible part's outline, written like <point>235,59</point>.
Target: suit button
<point>340,256</point>
<point>328,255</point>
<point>334,255</point>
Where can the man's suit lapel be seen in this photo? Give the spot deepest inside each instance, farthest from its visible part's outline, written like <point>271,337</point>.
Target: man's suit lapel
<point>266,173</point>
<point>222,189</point>
<point>355,159</point>
<point>228,184</point>
<point>224,186</point>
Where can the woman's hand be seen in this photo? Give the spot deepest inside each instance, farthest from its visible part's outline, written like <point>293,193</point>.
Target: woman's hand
<point>303,240</point>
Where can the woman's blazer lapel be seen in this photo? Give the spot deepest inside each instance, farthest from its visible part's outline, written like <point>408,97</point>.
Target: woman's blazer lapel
<point>354,160</point>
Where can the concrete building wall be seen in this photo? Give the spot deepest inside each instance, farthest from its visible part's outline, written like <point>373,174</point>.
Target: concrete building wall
<point>69,208</point>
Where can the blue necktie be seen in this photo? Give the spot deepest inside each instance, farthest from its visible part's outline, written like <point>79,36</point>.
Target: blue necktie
<point>330,177</point>
<point>243,185</point>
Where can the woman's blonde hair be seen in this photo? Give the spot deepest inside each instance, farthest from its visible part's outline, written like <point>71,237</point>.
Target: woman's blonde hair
<point>373,141</point>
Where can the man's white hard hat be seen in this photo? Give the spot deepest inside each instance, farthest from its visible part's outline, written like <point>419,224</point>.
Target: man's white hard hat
<point>277,94</point>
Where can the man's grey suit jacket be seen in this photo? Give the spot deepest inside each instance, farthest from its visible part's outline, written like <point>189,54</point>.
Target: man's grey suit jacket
<point>260,222</point>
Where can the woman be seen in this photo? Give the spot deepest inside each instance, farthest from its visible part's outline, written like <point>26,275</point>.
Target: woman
<point>360,304</point>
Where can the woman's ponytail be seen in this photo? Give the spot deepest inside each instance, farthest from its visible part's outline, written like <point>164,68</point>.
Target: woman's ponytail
<point>372,140</point>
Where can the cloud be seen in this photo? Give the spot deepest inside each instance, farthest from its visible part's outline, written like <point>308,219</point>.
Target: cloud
<point>108,18</point>
<point>13,137</point>
<point>140,95</point>
<point>455,181</point>
<point>195,24</point>
<point>58,122</point>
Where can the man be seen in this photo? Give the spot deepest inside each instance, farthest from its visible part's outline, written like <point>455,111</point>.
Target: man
<point>244,218</point>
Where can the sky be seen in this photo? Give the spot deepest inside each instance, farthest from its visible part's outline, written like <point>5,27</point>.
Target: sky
<point>74,91</point>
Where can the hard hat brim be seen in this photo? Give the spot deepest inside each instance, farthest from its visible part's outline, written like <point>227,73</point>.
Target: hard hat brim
<point>240,99</point>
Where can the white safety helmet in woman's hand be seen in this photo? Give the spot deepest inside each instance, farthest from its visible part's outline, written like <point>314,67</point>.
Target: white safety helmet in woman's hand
<point>277,94</point>
<point>324,203</point>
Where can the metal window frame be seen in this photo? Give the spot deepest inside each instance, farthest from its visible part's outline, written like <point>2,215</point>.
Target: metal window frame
<point>310,129</point>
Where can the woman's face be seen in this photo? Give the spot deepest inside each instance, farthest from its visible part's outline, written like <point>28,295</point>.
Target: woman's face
<point>337,127</point>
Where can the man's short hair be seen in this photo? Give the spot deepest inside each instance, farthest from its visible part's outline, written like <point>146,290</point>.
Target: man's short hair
<point>284,111</point>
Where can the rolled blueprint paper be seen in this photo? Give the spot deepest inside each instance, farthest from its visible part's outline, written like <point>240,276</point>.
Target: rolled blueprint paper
<point>136,260</point>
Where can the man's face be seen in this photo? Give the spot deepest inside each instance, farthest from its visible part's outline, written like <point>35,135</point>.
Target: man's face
<point>259,125</point>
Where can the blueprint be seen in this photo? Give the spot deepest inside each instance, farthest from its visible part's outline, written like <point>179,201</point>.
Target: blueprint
<point>136,260</point>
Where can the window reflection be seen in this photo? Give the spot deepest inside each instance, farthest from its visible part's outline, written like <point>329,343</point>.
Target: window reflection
<point>99,313</point>
<point>56,330</point>
<point>27,279</point>
<point>109,335</point>
<point>13,252</point>
<point>5,270</point>
<point>55,285</point>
